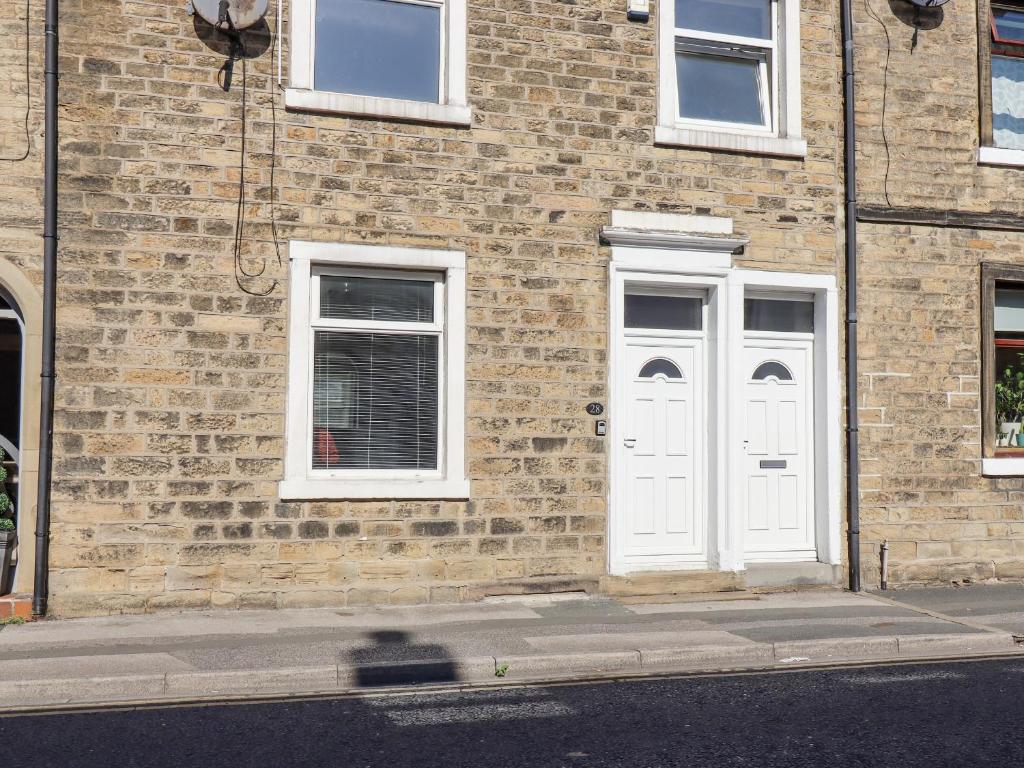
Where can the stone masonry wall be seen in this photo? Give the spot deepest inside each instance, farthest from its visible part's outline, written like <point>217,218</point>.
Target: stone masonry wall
<point>21,212</point>
<point>171,392</point>
<point>920,337</point>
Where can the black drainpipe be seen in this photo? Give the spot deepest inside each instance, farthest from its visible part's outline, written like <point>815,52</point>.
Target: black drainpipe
<point>42,572</point>
<point>850,163</point>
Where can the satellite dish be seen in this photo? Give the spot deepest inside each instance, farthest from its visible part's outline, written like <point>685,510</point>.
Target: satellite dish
<point>929,3</point>
<point>231,14</point>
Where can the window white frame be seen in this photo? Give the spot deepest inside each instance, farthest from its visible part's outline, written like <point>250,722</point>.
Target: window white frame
<point>436,329</point>
<point>779,81</point>
<point>452,107</point>
<point>448,271</point>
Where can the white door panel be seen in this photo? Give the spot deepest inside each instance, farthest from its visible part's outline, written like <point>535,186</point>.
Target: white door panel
<point>663,504</point>
<point>778,459</point>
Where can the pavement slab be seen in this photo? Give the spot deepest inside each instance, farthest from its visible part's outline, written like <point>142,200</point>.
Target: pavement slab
<point>1000,606</point>
<point>210,654</point>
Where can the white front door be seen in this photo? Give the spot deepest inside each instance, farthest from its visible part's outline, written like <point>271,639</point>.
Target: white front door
<point>663,504</point>
<point>778,477</point>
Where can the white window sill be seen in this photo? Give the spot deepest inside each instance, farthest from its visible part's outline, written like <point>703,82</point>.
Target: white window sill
<point>671,135</point>
<point>997,156</point>
<point>1002,467</point>
<point>373,106</point>
<point>308,489</point>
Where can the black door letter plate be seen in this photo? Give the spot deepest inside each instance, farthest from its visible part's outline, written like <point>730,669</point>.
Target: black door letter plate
<point>773,463</point>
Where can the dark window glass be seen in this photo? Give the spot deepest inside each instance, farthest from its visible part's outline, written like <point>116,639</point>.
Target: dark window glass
<point>743,18</point>
<point>1009,23</point>
<point>376,298</point>
<point>772,368</point>
<point>779,316</point>
<point>378,48</point>
<point>719,88</point>
<point>670,313</point>
<point>660,365</point>
<point>10,382</point>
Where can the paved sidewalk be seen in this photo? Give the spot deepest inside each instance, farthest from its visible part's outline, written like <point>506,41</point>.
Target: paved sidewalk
<point>221,654</point>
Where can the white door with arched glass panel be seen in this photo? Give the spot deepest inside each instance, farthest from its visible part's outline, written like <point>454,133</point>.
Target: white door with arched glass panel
<point>778,451</point>
<point>663,450</point>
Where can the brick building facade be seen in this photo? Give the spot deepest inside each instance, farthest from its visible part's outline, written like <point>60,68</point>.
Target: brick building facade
<point>213,390</point>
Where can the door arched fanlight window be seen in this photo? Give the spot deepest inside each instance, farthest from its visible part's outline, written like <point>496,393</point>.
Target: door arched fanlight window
<point>660,366</point>
<point>772,370</point>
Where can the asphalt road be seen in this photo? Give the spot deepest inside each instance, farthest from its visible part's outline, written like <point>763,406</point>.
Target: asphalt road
<point>934,715</point>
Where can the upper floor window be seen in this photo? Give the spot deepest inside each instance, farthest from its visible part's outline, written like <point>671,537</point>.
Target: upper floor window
<point>726,64</point>
<point>403,59</point>
<point>389,48</point>
<point>730,75</point>
<point>1001,87</point>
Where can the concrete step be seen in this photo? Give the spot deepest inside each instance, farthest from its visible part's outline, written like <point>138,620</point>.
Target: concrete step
<point>671,583</point>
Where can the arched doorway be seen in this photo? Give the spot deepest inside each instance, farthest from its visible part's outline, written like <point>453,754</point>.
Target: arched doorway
<point>12,350</point>
<point>21,321</point>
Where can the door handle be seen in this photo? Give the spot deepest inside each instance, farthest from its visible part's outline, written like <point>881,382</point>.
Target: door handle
<point>629,442</point>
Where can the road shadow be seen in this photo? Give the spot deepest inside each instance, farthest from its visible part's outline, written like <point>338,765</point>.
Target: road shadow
<point>395,659</point>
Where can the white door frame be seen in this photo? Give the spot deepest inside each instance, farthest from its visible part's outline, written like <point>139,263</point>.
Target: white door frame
<point>691,265</point>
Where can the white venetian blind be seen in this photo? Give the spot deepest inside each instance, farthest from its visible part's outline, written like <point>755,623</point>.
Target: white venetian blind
<point>375,390</point>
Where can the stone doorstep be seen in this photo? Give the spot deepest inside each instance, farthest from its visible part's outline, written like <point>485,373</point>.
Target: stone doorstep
<point>220,684</point>
<point>16,605</point>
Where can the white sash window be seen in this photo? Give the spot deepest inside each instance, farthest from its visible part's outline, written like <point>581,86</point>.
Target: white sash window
<point>730,75</point>
<point>403,59</point>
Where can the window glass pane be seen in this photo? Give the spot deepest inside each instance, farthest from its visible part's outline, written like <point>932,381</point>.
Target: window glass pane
<point>743,18</point>
<point>1009,23</point>
<point>376,298</point>
<point>1008,102</point>
<point>778,315</point>
<point>1009,394</point>
<point>671,313</point>
<point>660,365</point>
<point>375,401</point>
<point>719,88</point>
<point>772,368</point>
<point>1009,315</point>
<point>378,48</point>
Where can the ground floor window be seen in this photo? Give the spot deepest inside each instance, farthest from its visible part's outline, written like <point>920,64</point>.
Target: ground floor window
<point>1003,360</point>
<point>375,398</point>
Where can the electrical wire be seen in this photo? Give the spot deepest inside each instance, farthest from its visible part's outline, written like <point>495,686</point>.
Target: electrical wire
<point>885,95</point>
<point>28,87</point>
<point>240,272</point>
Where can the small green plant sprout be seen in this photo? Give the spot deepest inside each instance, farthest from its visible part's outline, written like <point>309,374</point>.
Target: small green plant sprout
<point>6,524</point>
<point>12,620</point>
<point>501,671</point>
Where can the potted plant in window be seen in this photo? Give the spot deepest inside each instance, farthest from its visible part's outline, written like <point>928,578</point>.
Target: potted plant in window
<point>8,531</point>
<point>1010,402</point>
